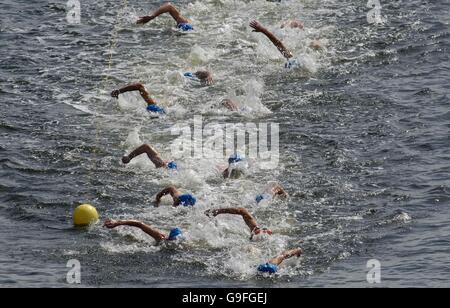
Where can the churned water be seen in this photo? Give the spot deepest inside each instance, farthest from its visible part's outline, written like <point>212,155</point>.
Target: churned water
<point>364,142</point>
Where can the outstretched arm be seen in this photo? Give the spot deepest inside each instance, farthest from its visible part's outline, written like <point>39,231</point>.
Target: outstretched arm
<point>165,8</point>
<point>171,190</point>
<point>248,218</point>
<point>286,255</point>
<point>152,154</point>
<point>135,87</point>
<point>155,233</point>
<point>259,28</point>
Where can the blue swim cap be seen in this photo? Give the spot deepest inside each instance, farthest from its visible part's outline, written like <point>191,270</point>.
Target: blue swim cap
<point>291,64</point>
<point>172,165</point>
<point>268,268</point>
<point>235,158</point>
<point>174,233</point>
<point>187,200</point>
<point>185,27</point>
<point>259,198</point>
<point>156,109</point>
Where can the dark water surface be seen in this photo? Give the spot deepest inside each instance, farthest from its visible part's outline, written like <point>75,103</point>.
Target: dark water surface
<point>364,142</point>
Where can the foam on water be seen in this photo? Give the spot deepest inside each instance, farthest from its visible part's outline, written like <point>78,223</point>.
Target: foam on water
<point>347,143</point>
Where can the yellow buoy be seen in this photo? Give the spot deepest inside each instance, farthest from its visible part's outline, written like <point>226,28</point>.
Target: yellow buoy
<point>84,215</point>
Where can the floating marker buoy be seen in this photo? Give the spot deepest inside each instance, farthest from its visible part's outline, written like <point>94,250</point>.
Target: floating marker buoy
<point>84,215</point>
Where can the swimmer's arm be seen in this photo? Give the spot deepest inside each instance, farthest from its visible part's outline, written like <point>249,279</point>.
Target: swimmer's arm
<point>286,255</point>
<point>152,154</point>
<point>135,87</point>
<point>156,234</point>
<point>248,218</point>
<point>165,8</point>
<point>259,28</point>
<point>168,191</point>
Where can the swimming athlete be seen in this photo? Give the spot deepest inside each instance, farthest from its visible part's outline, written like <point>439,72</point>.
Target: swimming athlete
<point>159,236</point>
<point>178,197</point>
<point>271,192</point>
<point>236,166</point>
<point>182,22</point>
<point>151,103</point>
<point>259,28</point>
<point>271,267</point>
<point>152,154</point>
<point>257,233</point>
<point>204,77</point>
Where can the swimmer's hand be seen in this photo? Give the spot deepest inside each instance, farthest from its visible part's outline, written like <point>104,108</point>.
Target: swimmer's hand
<point>298,252</point>
<point>257,26</point>
<point>110,224</point>
<point>212,213</point>
<point>205,77</point>
<point>126,159</point>
<point>230,105</point>
<point>115,93</point>
<point>144,19</point>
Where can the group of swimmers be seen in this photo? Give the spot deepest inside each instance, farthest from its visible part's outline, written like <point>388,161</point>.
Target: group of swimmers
<point>233,171</point>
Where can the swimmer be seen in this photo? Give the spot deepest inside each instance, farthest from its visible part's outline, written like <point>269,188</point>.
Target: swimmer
<point>271,192</point>
<point>259,28</point>
<point>271,267</point>
<point>293,24</point>
<point>177,196</point>
<point>151,103</point>
<point>236,164</point>
<point>204,77</point>
<point>153,155</point>
<point>182,22</point>
<point>159,236</point>
<point>257,233</point>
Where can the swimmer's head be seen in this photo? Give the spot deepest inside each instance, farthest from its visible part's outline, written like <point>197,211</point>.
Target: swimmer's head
<point>259,198</point>
<point>235,158</point>
<point>185,27</point>
<point>268,268</point>
<point>175,234</point>
<point>172,165</point>
<point>291,64</point>
<point>260,234</point>
<point>155,109</point>
<point>187,200</point>
<point>192,76</point>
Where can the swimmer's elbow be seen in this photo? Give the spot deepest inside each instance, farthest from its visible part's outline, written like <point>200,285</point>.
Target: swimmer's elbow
<point>140,87</point>
<point>242,211</point>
